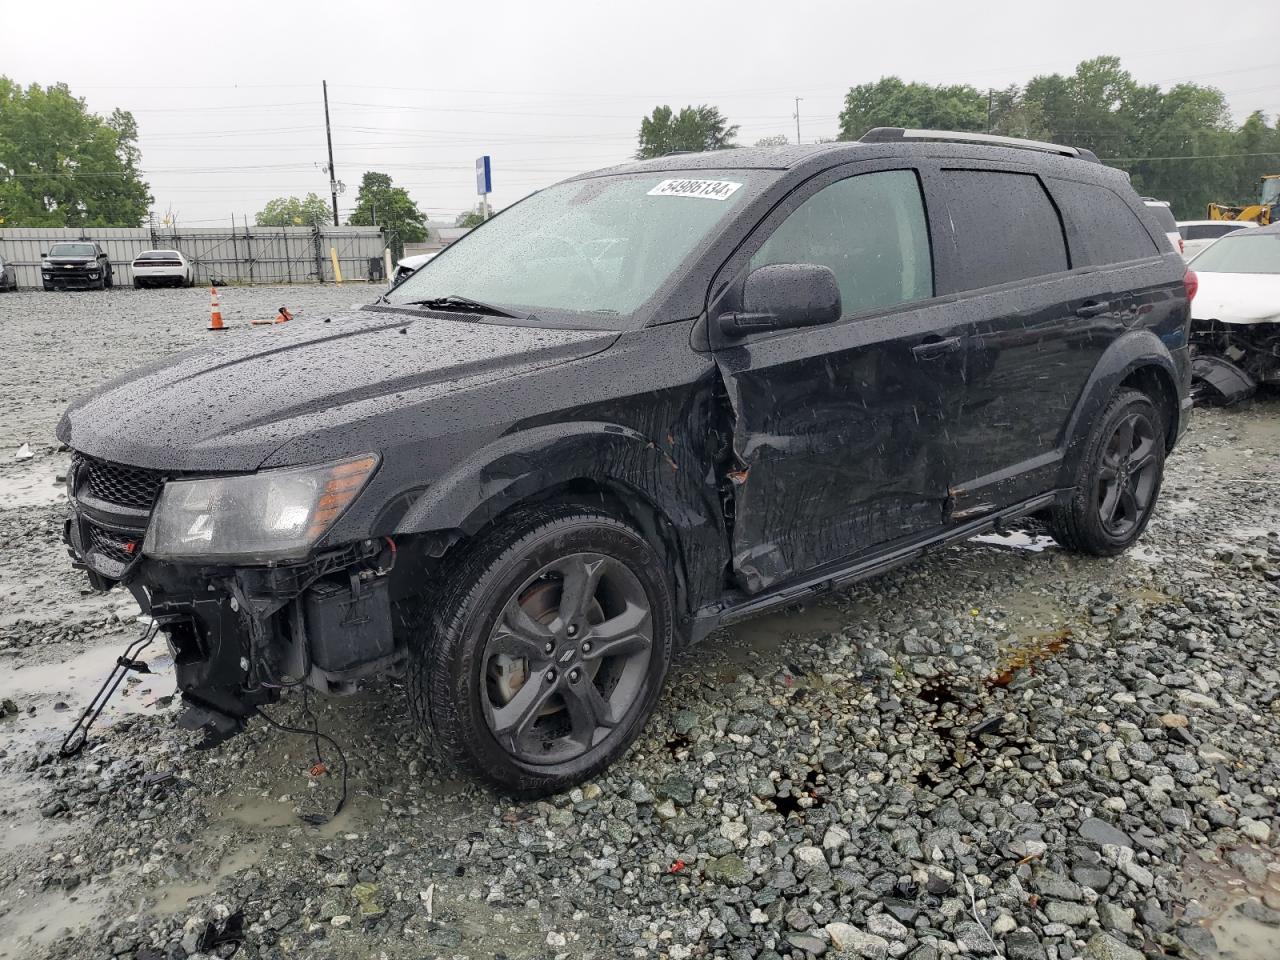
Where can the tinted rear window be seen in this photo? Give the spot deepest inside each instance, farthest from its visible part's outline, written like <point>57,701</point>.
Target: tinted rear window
<point>1105,229</point>
<point>159,255</point>
<point>1006,228</point>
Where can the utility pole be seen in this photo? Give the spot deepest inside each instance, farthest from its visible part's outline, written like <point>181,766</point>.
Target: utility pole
<point>328,133</point>
<point>798,99</point>
<point>990,95</point>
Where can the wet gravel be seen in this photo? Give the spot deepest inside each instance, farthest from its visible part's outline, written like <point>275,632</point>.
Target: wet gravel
<point>1003,750</point>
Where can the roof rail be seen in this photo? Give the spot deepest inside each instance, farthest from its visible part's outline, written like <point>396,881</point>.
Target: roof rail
<point>897,134</point>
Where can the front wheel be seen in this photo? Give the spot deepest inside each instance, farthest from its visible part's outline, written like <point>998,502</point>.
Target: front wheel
<point>545,649</point>
<point>1118,479</point>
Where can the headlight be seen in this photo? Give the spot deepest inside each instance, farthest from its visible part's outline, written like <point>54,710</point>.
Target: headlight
<point>272,515</point>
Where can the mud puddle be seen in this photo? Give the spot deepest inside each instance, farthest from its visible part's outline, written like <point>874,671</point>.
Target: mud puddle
<point>1229,888</point>
<point>35,483</point>
<point>744,643</point>
<point>41,920</point>
<point>51,695</point>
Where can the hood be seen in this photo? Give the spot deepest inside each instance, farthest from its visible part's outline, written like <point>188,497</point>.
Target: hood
<point>228,405</point>
<point>1244,298</point>
<point>79,261</point>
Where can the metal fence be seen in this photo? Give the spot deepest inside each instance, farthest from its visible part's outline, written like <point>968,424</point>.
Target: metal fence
<point>220,255</point>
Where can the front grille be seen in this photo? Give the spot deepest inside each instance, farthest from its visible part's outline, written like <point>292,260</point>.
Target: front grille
<point>120,484</point>
<point>112,545</point>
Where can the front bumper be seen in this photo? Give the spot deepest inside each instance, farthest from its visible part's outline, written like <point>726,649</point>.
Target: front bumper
<point>238,634</point>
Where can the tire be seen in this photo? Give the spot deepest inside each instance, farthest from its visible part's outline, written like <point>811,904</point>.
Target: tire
<point>528,721</point>
<point>108,281</point>
<point>139,284</point>
<point>48,287</point>
<point>1116,478</point>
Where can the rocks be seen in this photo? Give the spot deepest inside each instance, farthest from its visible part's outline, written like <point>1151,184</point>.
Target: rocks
<point>729,869</point>
<point>1102,946</point>
<point>883,925</point>
<point>1023,945</point>
<point>849,939</point>
<point>973,938</point>
<point>1100,833</point>
<point>1254,829</point>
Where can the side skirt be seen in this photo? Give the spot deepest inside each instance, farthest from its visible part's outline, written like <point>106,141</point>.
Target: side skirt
<point>839,575</point>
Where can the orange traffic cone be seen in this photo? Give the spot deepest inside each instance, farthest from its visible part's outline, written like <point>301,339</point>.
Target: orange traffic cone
<point>215,311</point>
<point>284,315</point>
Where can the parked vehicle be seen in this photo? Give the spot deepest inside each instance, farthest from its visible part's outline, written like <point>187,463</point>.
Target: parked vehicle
<point>80,263</point>
<point>162,268</point>
<point>1163,213</point>
<point>534,471</point>
<point>407,267</point>
<point>1198,234</point>
<point>1235,327</point>
<point>1262,213</point>
<point>8,276</point>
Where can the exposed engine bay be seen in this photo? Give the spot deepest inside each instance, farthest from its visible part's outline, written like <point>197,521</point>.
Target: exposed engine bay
<point>1231,360</point>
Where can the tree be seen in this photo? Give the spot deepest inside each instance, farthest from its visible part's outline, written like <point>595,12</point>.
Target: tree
<point>62,166</point>
<point>889,102</point>
<point>381,204</point>
<point>777,140</point>
<point>292,212</point>
<point>469,219</point>
<point>692,129</point>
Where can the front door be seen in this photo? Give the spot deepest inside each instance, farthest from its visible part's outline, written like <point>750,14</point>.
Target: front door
<point>841,432</point>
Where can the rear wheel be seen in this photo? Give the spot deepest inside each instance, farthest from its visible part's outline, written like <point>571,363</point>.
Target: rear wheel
<point>1117,481</point>
<point>139,283</point>
<point>545,649</point>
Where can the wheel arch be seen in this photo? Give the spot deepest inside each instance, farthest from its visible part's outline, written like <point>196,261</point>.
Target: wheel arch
<point>598,464</point>
<point>1139,359</point>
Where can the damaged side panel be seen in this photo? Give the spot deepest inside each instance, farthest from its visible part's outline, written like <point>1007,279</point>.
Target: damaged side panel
<point>841,441</point>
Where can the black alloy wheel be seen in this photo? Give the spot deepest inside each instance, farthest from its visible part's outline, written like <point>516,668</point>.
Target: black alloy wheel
<point>568,658</point>
<point>1128,475</point>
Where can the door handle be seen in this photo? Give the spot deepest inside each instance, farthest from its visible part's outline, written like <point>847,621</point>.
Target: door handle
<point>935,346</point>
<point>1093,308</point>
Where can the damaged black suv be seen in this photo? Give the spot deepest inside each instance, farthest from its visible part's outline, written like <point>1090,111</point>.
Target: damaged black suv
<point>634,407</point>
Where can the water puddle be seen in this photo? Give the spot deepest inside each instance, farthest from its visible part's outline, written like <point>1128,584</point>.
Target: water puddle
<point>1229,888</point>
<point>177,896</point>
<point>44,919</point>
<point>744,643</point>
<point>34,484</point>
<point>50,695</point>
<point>1018,540</point>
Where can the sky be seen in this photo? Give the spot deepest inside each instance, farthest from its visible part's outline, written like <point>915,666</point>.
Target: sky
<point>228,96</point>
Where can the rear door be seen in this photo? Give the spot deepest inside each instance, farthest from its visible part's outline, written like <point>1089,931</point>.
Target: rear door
<point>841,432</point>
<point>1038,321</point>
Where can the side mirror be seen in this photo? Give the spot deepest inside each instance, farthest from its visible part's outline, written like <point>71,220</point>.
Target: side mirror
<point>783,296</point>
<point>43,255</point>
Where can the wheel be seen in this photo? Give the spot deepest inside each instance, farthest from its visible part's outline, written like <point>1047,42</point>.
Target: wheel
<point>1117,481</point>
<point>139,284</point>
<point>544,651</point>
<point>108,281</point>
<point>47,285</point>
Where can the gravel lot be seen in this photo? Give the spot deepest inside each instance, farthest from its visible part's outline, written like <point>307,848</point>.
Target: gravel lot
<point>1001,751</point>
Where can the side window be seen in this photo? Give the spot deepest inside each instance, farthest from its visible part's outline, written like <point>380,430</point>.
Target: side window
<point>1106,230</point>
<point>1006,228</point>
<point>870,230</point>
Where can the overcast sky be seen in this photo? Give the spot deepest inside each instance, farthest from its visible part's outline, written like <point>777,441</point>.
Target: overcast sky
<point>228,100</point>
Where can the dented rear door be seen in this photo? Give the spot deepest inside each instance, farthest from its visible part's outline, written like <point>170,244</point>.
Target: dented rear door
<point>842,433</point>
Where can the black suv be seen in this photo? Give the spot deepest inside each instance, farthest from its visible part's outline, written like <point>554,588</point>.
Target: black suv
<point>79,263</point>
<point>636,406</point>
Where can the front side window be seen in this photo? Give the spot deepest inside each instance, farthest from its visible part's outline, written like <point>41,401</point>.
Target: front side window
<point>1242,252</point>
<point>598,246</point>
<point>73,250</point>
<point>1005,227</point>
<point>870,230</point>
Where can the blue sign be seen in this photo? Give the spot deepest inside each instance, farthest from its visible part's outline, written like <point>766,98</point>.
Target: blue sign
<point>484,176</point>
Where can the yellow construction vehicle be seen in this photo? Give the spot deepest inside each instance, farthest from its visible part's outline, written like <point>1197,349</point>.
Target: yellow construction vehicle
<point>1263,212</point>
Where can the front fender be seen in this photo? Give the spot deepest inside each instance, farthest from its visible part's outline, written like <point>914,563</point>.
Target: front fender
<point>525,465</point>
<point>1130,353</point>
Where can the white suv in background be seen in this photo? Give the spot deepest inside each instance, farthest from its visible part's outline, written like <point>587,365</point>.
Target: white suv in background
<point>1198,234</point>
<point>162,268</point>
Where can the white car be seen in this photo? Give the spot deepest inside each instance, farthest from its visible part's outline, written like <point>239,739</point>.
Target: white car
<point>1164,214</point>
<point>408,267</point>
<point>1235,315</point>
<point>1198,234</point>
<point>162,268</point>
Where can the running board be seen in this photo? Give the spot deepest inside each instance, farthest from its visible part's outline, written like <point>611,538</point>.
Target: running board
<point>833,578</point>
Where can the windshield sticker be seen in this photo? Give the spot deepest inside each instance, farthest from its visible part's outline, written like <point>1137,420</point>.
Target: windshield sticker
<point>706,189</point>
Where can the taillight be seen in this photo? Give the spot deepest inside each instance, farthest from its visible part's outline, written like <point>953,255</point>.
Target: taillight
<point>1192,283</point>
<point>1182,247</point>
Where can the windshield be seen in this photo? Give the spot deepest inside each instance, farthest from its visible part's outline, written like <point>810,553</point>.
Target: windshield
<point>1243,252</point>
<point>600,246</point>
<point>72,250</point>
<point>1271,190</point>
